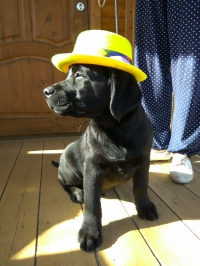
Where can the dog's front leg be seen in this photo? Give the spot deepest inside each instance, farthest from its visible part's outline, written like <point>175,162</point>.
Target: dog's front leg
<point>145,208</point>
<point>89,235</point>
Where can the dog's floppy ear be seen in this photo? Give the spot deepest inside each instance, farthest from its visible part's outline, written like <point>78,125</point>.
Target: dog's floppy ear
<point>125,93</point>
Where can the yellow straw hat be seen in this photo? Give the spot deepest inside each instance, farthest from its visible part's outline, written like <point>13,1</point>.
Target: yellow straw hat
<point>99,47</point>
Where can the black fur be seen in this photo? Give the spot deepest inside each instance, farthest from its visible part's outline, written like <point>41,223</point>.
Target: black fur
<point>55,164</point>
<point>115,147</point>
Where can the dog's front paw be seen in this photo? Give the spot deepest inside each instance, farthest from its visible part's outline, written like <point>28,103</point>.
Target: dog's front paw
<point>148,212</point>
<point>89,238</point>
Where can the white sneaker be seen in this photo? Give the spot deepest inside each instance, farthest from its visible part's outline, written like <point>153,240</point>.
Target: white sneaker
<point>162,155</point>
<point>181,169</point>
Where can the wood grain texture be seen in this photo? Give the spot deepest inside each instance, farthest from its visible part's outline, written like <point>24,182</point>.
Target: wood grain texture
<point>95,15</point>
<point>19,208</point>
<point>39,223</point>
<point>9,152</point>
<point>169,238</point>
<point>31,33</point>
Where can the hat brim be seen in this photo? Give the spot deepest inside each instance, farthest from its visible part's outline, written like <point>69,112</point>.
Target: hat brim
<point>64,61</point>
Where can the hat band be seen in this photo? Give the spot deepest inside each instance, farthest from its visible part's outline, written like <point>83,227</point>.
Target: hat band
<point>118,56</point>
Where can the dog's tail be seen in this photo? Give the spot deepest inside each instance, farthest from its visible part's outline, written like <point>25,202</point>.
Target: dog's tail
<point>55,164</point>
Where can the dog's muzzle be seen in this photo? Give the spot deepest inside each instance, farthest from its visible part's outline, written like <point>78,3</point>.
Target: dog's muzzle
<point>57,101</point>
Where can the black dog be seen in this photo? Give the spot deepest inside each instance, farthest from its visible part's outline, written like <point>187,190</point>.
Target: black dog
<point>115,147</point>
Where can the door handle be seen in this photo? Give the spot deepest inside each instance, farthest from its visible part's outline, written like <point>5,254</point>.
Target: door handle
<point>80,6</point>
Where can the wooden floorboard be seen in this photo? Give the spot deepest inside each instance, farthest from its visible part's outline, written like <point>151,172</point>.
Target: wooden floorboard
<point>9,151</point>
<point>123,244</point>
<point>196,163</point>
<point>184,203</point>
<point>19,207</point>
<point>39,223</point>
<point>168,237</point>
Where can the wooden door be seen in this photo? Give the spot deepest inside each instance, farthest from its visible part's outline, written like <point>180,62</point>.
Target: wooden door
<point>31,32</point>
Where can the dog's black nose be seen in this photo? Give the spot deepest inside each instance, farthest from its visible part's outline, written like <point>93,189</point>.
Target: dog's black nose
<point>48,92</point>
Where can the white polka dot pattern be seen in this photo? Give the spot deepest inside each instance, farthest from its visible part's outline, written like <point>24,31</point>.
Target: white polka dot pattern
<point>167,49</point>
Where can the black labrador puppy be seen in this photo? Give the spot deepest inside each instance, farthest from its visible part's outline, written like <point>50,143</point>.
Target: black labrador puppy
<point>114,148</point>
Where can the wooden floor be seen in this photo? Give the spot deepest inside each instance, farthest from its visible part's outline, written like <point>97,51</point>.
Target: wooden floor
<point>39,223</point>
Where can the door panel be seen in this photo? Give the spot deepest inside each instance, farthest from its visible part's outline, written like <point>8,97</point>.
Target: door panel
<point>31,32</point>
<point>50,23</point>
<point>11,21</point>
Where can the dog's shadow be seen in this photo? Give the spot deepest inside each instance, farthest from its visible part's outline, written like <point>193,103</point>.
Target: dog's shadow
<point>118,205</point>
<point>119,216</point>
<point>116,222</point>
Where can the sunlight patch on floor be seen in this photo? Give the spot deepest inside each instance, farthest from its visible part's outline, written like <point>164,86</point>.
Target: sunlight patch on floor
<point>45,152</point>
<point>155,169</point>
<point>55,240</point>
<point>196,162</point>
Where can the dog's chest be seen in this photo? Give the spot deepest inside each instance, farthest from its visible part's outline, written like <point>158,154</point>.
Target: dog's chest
<point>122,163</point>
<point>116,175</point>
<point>124,169</point>
<point>114,151</point>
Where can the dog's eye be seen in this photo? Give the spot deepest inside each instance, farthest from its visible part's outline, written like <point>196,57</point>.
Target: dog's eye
<point>78,75</point>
